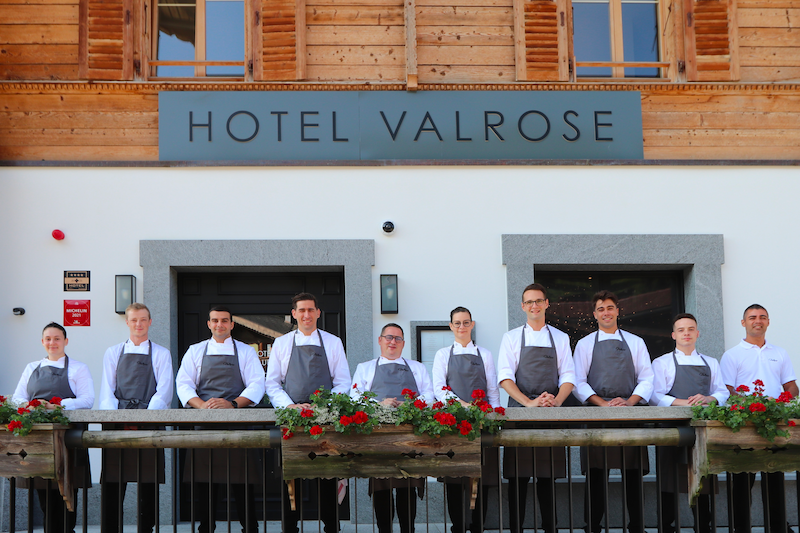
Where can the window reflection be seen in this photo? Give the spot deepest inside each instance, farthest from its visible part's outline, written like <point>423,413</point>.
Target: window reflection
<point>225,36</point>
<point>592,40</point>
<point>640,36</point>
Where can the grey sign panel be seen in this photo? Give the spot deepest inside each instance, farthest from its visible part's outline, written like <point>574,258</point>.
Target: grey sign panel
<point>376,125</point>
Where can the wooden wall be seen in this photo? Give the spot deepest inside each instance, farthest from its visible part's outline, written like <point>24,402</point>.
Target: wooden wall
<point>38,39</point>
<point>769,40</point>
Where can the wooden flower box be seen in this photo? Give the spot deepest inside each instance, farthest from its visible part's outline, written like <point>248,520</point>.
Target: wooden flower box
<point>41,453</point>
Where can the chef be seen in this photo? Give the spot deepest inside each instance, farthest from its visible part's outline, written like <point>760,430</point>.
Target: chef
<point>684,377</point>
<point>387,376</point>
<point>458,370</point>
<point>57,376</point>
<point>222,373</point>
<point>137,374</point>
<point>613,370</point>
<point>750,360</point>
<point>535,368</point>
<point>300,363</point>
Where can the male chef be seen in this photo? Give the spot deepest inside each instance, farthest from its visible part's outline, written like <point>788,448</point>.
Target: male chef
<point>683,377</point>
<point>750,360</point>
<point>137,374</point>
<point>535,368</point>
<point>388,376</point>
<point>458,370</point>
<point>613,370</point>
<point>222,373</point>
<point>300,363</point>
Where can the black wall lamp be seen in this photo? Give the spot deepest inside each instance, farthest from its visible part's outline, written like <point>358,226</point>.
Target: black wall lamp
<point>389,294</point>
<point>124,292</point>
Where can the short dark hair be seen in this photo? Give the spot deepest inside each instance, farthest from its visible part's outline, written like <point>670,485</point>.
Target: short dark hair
<point>302,297</point>
<point>55,325</point>
<point>754,306</point>
<point>603,296</point>
<point>681,316</point>
<point>460,310</point>
<point>392,325</point>
<point>534,287</point>
<point>220,309</point>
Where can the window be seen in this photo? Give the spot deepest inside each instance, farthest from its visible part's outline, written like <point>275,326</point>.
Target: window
<point>616,38</point>
<point>199,38</point>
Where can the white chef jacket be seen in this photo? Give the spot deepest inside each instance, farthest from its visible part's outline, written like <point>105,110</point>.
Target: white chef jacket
<point>80,381</point>
<point>278,364</point>
<point>162,369</point>
<point>249,366</point>
<point>664,376</point>
<point>641,364</point>
<point>365,373</point>
<point>440,364</point>
<point>508,357</point>
<point>745,363</point>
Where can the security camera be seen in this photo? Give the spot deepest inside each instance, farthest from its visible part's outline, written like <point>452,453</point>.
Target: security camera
<point>388,226</point>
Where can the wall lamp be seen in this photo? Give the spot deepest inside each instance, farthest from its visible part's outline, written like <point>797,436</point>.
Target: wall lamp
<point>389,294</point>
<point>124,292</point>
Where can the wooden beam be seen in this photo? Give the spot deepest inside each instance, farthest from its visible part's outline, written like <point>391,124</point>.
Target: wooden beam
<point>520,61</point>
<point>254,438</point>
<point>410,13</point>
<point>300,40</point>
<point>546,438</point>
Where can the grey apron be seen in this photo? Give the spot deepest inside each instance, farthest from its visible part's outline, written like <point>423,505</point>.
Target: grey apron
<point>221,377</point>
<point>45,383</point>
<point>136,385</point>
<point>389,382</point>
<point>308,371</point>
<point>613,375</point>
<point>466,373</point>
<point>537,372</point>
<point>689,380</point>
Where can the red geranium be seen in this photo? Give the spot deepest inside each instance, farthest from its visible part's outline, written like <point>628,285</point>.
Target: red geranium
<point>315,430</point>
<point>736,407</point>
<point>792,423</point>
<point>55,400</point>
<point>757,407</point>
<point>21,410</point>
<point>785,397</point>
<point>485,407</point>
<point>409,392</point>
<point>477,394</point>
<point>742,388</point>
<point>286,434</point>
<point>451,401</point>
<point>758,383</point>
<point>355,385</point>
<point>447,387</point>
<point>420,404</point>
<point>3,399</point>
<point>437,405</point>
<point>14,424</point>
<point>345,420</point>
<point>500,410</point>
<point>34,403</point>
<point>464,427</point>
<point>360,417</point>
<point>445,419</point>
<point>307,413</point>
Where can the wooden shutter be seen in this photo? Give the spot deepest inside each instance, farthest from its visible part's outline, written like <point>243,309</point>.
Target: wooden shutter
<point>279,51</point>
<point>711,38</point>
<point>541,40</point>
<point>106,39</point>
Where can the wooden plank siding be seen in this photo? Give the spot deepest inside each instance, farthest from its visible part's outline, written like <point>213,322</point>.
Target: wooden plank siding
<point>39,39</point>
<point>769,41</point>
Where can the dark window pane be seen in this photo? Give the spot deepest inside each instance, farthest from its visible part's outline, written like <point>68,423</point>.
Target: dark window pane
<point>640,37</point>
<point>176,37</point>
<point>592,37</point>
<point>225,36</point>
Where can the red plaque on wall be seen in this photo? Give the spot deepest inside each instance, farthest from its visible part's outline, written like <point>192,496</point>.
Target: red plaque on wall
<point>76,313</point>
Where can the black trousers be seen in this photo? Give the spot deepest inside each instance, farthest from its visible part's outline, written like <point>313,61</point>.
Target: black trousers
<point>384,507</point>
<point>596,496</point>
<point>111,511</point>
<point>668,512</point>
<point>517,496</point>
<point>57,519</point>
<point>244,501</point>
<point>458,496</point>
<point>328,505</point>
<point>772,483</point>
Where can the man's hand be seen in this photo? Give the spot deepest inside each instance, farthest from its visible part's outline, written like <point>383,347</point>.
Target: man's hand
<point>545,399</point>
<point>299,406</point>
<point>618,402</point>
<point>217,403</point>
<point>391,402</point>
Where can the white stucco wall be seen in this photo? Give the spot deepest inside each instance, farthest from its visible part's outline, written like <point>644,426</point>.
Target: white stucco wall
<point>446,248</point>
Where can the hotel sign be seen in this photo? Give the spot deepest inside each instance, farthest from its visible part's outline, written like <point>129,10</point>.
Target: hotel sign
<point>381,125</point>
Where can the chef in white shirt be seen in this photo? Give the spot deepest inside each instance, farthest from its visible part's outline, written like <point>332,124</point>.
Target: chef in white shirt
<point>683,377</point>
<point>754,358</point>
<point>222,373</point>
<point>613,370</point>
<point>458,370</point>
<point>137,374</point>
<point>300,363</point>
<point>535,368</point>
<point>388,376</point>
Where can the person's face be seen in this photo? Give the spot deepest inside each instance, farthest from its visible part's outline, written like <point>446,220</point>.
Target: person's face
<point>54,343</point>
<point>685,334</point>
<point>220,324</point>
<point>756,322</point>
<point>534,304</point>
<point>461,325</point>
<point>391,349</point>
<point>138,321</point>
<point>306,313</point>
<point>606,313</point>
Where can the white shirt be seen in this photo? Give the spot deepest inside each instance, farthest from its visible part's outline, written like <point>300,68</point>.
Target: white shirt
<point>278,364</point>
<point>664,376</point>
<point>249,367</point>
<point>745,363</point>
<point>365,374</point>
<point>78,375</point>
<point>508,357</point>
<point>162,369</point>
<point>440,364</point>
<point>641,364</point>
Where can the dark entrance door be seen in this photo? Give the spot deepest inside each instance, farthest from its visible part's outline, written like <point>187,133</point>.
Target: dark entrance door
<point>261,307</point>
